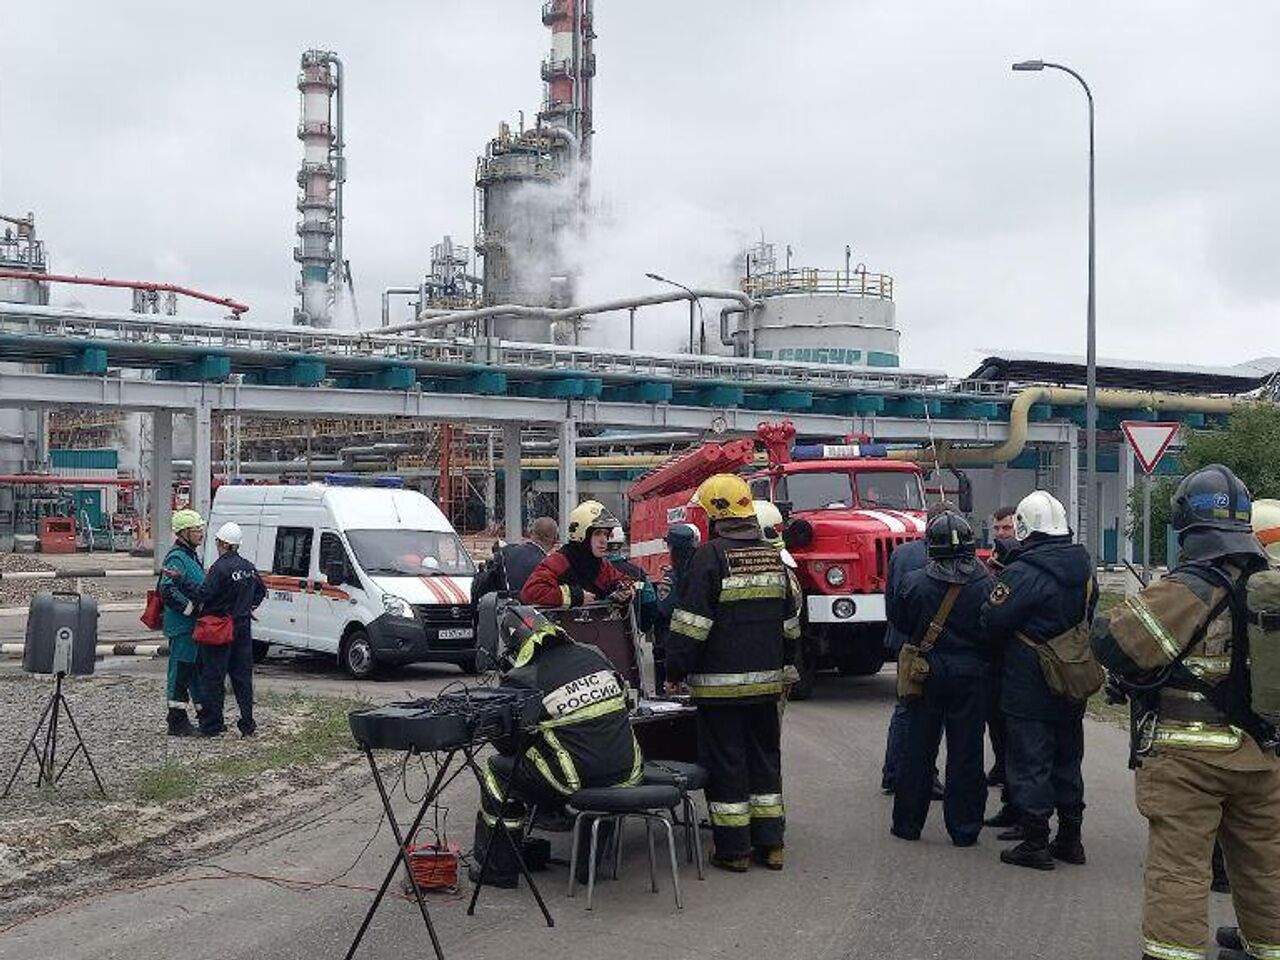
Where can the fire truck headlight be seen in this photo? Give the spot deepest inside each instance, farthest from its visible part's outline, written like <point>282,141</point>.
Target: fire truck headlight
<point>835,575</point>
<point>843,608</point>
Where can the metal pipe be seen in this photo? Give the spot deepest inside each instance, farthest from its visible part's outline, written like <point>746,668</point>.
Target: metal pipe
<point>386,300</point>
<point>1016,442</point>
<point>232,305</point>
<point>47,479</point>
<point>569,313</point>
<point>339,177</point>
<point>725,336</point>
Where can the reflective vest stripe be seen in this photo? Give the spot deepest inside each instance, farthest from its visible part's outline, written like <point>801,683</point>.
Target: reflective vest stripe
<point>565,759</point>
<point>791,628</point>
<point>735,691</point>
<point>753,586</point>
<point>1170,951</point>
<point>729,814</point>
<point>1209,666</point>
<point>1206,736</point>
<point>1260,951</point>
<point>1154,627</point>
<point>544,769</point>
<point>734,679</point>
<point>491,785</point>
<point>691,625</point>
<point>491,821</point>
<point>589,712</point>
<point>566,596</point>
<point>637,764</point>
<point>766,805</point>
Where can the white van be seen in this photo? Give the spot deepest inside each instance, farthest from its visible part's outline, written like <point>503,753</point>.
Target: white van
<point>371,575</point>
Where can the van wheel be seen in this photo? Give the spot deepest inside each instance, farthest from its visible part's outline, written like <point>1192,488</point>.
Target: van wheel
<point>357,655</point>
<point>260,650</point>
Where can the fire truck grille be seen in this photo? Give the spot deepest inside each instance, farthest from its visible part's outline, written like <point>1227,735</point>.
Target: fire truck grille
<point>884,549</point>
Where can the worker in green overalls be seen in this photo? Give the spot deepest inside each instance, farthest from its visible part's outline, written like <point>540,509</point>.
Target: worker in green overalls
<point>179,619</point>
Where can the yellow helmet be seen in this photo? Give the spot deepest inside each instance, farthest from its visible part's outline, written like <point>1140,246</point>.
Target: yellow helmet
<point>185,520</point>
<point>770,518</point>
<point>1266,526</point>
<point>587,516</point>
<point>724,496</point>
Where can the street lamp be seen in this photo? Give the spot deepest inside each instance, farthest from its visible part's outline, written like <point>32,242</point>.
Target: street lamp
<point>1089,506</point>
<point>694,301</point>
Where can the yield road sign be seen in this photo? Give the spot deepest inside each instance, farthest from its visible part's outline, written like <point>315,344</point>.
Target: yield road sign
<point>1149,440</point>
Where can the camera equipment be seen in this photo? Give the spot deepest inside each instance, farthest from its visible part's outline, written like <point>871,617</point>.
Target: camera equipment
<point>62,639</point>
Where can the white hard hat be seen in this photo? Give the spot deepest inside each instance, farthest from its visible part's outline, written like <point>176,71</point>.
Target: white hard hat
<point>1266,526</point>
<point>230,534</point>
<point>1040,512</point>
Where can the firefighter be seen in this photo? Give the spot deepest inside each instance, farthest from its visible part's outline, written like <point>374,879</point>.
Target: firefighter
<point>643,592</point>
<point>1045,588</point>
<point>584,737</point>
<point>182,682</point>
<point>937,608</point>
<point>682,540</point>
<point>1206,763</point>
<point>579,572</point>
<point>771,525</point>
<point>733,631</point>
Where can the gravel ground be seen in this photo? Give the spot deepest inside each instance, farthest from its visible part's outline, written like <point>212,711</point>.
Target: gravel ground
<point>18,593</point>
<point>168,799</point>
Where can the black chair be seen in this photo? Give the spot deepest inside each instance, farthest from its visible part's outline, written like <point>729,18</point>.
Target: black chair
<point>687,778</point>
<point>596,805</point>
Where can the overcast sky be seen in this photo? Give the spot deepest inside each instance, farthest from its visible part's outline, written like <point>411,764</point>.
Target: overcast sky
<point>157,141</point>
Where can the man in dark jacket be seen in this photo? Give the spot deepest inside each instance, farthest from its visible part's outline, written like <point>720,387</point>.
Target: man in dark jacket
<point>910,556</point>
<point>1046,588</point>
<point>513,562</point>
<point>682,540</point>
<point>732,633</point>
<point>948,593</point>
<point>231,589</point>
<point>1003,540</point>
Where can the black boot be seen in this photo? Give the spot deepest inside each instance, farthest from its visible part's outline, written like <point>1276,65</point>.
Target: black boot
<point>179,724</point>
<point>1033,851</point>
<point>1006,817</point>
<point>1066,845</point>
<point>1229,937</point>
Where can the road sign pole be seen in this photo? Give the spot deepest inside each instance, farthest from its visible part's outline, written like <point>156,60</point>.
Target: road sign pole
<point>1146,528</point>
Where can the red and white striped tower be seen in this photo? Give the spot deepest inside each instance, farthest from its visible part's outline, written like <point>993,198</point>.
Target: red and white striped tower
<point>568,70</point>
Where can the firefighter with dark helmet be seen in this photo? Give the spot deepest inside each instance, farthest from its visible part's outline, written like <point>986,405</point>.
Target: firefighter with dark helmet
<point>937,610</point>
<point>1045,593</point>
<point>580,572</point>
<point>1206,760</point>
<point>733,631</point>
<point>584,736</point>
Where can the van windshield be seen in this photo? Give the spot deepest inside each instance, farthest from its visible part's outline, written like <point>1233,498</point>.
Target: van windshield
<point>410,553</point>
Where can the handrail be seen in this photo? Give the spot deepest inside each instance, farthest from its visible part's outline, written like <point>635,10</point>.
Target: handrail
<point>807,280</point>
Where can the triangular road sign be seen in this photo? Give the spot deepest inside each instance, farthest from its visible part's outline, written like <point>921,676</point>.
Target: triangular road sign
<point>1149,440</point>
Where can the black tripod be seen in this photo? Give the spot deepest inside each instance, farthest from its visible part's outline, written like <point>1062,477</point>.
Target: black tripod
<point>46,757</point>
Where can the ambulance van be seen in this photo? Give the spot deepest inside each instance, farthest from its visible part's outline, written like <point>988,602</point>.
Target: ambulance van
<point>371,575</point>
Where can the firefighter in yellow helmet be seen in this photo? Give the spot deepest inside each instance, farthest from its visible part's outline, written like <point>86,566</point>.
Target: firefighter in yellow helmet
<point>734,629</point>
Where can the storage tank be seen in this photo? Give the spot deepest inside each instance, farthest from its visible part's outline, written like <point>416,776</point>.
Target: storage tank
<point>843,317</point>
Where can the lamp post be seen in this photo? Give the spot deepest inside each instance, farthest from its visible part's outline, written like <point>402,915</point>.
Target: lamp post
<point>694,302</point>
<point>1089,504</point>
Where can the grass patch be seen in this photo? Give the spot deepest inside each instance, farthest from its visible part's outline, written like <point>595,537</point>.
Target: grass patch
<point>1108,599</point>
<point>165,782</point>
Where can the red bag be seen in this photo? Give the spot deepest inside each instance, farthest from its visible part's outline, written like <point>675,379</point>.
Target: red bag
<point>153,613</point>
<point>214,630</point>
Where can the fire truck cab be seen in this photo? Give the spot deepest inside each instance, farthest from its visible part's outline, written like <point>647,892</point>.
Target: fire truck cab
<point>847,507</point>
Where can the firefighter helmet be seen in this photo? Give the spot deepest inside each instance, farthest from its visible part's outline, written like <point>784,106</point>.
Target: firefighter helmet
<point>725,495</point>
<point>949,537</point>
<point>587,516</point>
<point>517,625</point>
<point>1212,498</point>
<point>1266,526</point>
<point>186,520</point>
<point>770,518</point>
<point>1040,512</point>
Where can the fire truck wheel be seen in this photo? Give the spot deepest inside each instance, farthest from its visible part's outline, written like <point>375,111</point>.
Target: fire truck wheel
<point>861,656</point>
<point>808,670</point>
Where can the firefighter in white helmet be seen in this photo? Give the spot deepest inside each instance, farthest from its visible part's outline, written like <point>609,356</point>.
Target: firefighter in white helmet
<point>580,572</point>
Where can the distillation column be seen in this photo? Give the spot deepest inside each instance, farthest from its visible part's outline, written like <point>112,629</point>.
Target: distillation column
<point>320,179</point>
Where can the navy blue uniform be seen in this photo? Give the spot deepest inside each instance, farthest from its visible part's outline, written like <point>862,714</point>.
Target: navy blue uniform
<point>232,589</point>
<point>1040,594</point>
<point>912,555</point>
<point>954,697</point>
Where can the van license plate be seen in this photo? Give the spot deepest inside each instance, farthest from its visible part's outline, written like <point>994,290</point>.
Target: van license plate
<point>458,634</point>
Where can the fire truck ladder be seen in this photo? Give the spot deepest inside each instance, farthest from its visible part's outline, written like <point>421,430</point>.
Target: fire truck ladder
<point>689,469</point>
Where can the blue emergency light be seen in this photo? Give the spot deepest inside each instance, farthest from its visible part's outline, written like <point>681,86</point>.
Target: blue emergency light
<point>838,451</point>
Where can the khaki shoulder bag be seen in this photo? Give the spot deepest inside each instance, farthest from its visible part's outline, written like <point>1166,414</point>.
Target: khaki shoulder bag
<point>913,668</point>
<point>1067,659</point>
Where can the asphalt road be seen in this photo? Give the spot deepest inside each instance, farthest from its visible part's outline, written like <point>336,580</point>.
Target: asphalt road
<point>849,890</point>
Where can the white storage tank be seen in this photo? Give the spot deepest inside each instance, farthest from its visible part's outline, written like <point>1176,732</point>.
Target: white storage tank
<point>843,317</point>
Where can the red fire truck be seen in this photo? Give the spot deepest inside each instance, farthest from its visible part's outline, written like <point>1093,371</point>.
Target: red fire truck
<point>847,508</point>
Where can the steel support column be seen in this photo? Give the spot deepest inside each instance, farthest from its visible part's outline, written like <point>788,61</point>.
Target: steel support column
<point>512,500</point>
<point>567,431</point>
<point>202,459</point>
<point>1127,468</point>
<point>1069,480</point>
<point>161,483</point>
